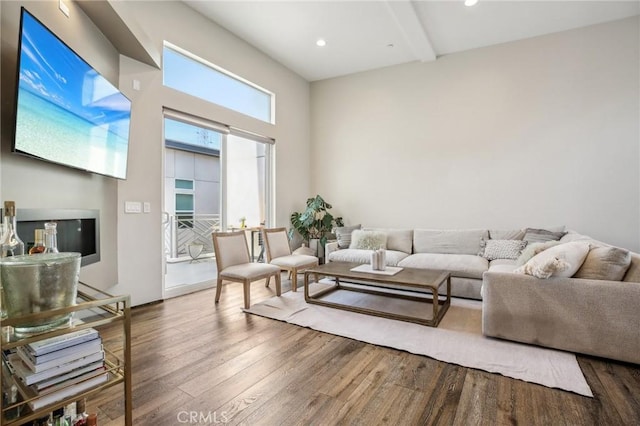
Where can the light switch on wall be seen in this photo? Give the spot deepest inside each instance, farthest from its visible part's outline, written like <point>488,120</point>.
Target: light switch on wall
<point>146,207</point>
<point>132,207</point>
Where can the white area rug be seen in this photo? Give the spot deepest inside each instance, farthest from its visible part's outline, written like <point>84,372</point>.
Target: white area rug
<point>458,339</point>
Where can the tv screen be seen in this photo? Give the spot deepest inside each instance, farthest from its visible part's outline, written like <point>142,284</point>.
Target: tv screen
<point>66,112</point>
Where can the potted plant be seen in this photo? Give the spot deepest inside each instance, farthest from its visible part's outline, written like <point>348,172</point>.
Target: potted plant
<point>315,222</point>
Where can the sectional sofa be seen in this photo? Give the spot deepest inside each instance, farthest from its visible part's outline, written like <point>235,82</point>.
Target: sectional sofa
<point>593,308</point>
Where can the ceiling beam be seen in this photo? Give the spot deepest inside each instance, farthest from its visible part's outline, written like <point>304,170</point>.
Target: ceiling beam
<point>414,34</point>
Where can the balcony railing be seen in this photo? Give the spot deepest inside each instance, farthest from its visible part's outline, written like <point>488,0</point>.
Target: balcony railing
<point>180,231</point>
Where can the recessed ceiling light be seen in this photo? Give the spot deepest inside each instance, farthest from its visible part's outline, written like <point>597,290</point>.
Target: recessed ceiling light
<point>470,2</point>
<point>321,42</point>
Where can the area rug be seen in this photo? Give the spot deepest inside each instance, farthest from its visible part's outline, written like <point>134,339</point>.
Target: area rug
<point>457,340</point>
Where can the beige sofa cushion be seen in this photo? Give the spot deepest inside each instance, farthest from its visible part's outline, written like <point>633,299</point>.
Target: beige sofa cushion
<point>397,239</point>
<point>502,268</point>
<point>605,263</point>
<point>459,265</point>
<point>502,265</point>
<point>454,241</point>
<point>364,256</point>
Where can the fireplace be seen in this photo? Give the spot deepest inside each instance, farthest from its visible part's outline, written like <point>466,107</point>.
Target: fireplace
<point>78,230</point>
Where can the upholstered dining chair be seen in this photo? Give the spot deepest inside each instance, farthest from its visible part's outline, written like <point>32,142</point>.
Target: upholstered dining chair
<point>234,264</point>
<point>278,252</point>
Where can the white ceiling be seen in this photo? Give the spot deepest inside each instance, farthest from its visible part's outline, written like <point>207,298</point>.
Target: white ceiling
<point>364,35</point>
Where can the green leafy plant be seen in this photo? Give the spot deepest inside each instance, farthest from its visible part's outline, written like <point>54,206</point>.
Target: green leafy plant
<point>315,222</point>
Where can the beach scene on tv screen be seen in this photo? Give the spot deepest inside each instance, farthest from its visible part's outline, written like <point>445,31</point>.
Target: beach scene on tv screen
<point>66,111</point>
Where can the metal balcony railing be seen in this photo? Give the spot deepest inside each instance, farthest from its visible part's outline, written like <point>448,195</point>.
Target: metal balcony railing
<point>182,230</point>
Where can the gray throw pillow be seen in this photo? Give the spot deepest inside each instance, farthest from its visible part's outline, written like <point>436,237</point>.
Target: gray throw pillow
<point>343,235</point>
<point>533,235</point>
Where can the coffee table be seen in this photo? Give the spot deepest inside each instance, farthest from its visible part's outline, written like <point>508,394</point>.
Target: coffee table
<point>417,285</point>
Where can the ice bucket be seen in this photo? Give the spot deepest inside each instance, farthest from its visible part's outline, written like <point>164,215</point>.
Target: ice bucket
<point>39,283</point>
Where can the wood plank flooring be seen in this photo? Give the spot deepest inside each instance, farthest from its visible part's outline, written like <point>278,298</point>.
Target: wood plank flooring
<point>195,362</point>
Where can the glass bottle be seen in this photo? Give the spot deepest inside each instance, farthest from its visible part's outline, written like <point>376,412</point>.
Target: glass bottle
<point>58,417</point>
<point>38,245</point>
<point>50,237</point>
<point>81,414</point>
<point>11,244</point>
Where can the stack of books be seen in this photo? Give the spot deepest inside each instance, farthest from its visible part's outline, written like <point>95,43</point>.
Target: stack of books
<point>59,367</point>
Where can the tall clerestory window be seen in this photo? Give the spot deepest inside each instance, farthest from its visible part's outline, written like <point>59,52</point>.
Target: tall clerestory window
<point>195,76</point>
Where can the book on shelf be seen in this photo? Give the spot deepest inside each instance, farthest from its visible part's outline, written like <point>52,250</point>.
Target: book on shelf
<point>44,390</point>
<point>89,368</point>
<point>56,343</point>
<point>62,356</point>
<point>44,399</point>
<point>30,377</point>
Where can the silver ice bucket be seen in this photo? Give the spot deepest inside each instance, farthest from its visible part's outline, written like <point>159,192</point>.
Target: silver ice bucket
<point>39,283</point>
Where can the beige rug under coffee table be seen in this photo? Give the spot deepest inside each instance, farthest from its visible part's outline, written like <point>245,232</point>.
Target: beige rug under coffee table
<point>382,293</point>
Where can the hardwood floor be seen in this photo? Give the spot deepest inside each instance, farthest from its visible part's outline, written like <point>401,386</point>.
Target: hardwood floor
<point>195,362</point>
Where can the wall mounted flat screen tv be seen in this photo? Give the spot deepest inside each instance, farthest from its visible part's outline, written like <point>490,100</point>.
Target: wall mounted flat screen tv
<point>66,112</point>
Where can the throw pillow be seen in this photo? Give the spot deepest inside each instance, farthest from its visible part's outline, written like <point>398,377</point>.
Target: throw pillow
<point>545,269</point>
<point>368,240</point>
<point>605,263</point>
<point>572,253</point>
<point>533,235</point>
<point>397,239</point>
<point>502,249</point>
<point>532,249</point>
<point>343,235</point>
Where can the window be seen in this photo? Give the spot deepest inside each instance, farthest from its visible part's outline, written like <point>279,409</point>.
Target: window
<point>190,74</point>
<point>184,203</point>
<point>184,184</point>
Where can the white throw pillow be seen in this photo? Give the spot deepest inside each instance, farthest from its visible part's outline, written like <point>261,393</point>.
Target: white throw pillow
<point>551,266</point>
<point>502,249</point>
<point>368,240</point>
<point>572,253</point>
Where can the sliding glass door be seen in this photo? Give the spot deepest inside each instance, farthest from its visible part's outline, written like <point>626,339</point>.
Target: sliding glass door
<point>216,178</point>
<point>245,181</point>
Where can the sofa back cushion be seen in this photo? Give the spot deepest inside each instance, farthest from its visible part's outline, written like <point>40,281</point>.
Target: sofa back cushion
<point>506,234</point>
<point>397,239</point>
<point>449,241</point>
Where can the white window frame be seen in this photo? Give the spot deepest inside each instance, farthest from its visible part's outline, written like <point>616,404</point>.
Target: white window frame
<point>272,96</point>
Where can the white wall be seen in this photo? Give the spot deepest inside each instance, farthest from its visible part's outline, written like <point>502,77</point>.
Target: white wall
<point>539,132</point>
<point>141,271</point>
<point>134,245</point>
